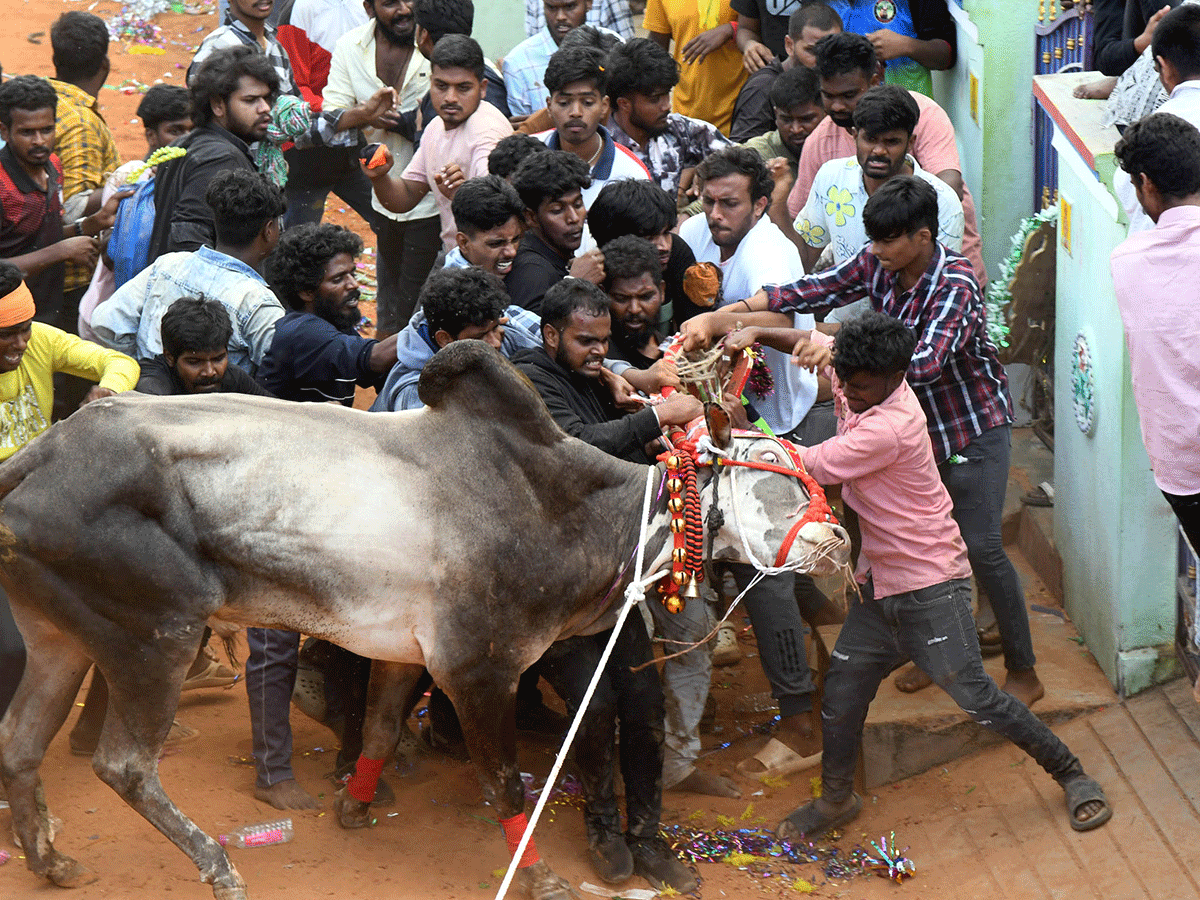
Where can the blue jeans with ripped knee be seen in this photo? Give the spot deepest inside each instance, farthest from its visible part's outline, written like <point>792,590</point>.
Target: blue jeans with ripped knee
<point>935,629</point>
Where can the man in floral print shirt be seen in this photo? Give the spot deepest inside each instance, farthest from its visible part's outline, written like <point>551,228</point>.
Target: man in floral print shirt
<point>884,121</point>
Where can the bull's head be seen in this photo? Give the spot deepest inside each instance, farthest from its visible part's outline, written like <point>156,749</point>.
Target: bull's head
<point>770,513</point>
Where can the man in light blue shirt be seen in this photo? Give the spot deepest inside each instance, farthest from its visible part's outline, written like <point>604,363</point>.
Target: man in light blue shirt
<point>247,210</point>
<point>525,65</point>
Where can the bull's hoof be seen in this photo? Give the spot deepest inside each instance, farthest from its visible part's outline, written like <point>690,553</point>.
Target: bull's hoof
<point>540,883</point>
<point>351,813</point>
<point>67,873</point>
<point>237,892</point>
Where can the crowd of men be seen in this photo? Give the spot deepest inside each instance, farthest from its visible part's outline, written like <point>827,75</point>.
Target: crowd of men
<point>552,203</point>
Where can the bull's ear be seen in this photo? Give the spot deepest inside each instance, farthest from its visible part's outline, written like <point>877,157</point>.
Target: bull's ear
<point>719,429</point>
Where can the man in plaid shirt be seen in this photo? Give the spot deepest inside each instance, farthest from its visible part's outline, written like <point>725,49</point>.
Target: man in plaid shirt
<point>907,274</point>
<point>614,15</point>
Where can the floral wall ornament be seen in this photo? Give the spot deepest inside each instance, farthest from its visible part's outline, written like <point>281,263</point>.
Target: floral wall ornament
<point>1083,384</point>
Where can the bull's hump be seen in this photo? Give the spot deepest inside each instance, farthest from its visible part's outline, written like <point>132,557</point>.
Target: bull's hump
<point>473,378</point>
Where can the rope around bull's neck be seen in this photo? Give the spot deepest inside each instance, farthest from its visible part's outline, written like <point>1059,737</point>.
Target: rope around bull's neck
<point>633,594</point>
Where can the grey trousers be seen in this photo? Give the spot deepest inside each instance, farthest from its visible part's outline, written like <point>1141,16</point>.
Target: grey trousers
<point>685,684</point>
<point>270,678</point>
<point>934,628</point>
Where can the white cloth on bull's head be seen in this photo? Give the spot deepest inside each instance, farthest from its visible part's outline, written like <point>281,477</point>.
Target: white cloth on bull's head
<point>764,255</point>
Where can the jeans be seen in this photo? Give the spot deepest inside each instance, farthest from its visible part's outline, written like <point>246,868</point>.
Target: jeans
<point>780,630</point>
<point>633,698</point>
<point>685,684</point>
<point>270,679</point>
<point>934,628</point>
<point>12,654</point>
<point>407,252</point>
<point>977,489</point>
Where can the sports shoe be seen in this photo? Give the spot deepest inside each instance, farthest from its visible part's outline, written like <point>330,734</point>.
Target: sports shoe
<point>726,651</point>
<point>655,861</point>
<point>610,855</point>
<point>208,672</point>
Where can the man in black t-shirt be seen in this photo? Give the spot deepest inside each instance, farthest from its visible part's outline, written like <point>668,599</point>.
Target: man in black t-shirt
<point>634,283</point>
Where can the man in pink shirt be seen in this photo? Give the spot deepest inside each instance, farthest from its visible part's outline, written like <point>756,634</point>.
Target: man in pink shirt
<point>1161,153</point>
<point>455,145</point>
<point>849,67</point>
<point>915,580</point>
<point>913,571</point>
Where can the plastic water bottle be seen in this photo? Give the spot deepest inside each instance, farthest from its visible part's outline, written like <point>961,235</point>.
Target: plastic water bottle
<point>261,835</point>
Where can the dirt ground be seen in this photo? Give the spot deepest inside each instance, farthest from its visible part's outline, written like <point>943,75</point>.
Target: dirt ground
<point>440,839</point>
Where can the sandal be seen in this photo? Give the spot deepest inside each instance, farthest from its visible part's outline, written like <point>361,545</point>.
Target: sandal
<point>1084,789</point>
<point>776,760</point>
<point>808,822</point>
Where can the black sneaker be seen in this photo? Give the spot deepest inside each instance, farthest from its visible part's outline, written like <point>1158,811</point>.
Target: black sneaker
<point>655,861</point>
<point>610,856</point>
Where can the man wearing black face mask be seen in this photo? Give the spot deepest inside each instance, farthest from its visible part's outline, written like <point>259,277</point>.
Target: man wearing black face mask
<point>317,355</point>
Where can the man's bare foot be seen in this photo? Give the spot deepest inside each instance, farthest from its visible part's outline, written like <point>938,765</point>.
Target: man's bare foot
<point>985,616</point>
<point>1100,89</point>
<point>287,795</point>
<point>699,782</point>
<point>911,680</point>
<point>1024,685</point>
<point>799,734</point>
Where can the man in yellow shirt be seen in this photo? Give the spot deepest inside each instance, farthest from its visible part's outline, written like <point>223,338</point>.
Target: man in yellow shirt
<point>710,64</point>
<point>30,353</point>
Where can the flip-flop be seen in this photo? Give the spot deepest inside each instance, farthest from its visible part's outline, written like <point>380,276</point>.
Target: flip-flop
<point>807,822</point>
<point>1084,789</point>
<point>776,760</point>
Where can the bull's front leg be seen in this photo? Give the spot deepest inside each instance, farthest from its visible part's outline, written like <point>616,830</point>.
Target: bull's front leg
<point>390,699</point>
<point>487,712</point>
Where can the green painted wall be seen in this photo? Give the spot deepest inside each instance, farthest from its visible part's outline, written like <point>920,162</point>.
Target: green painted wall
<point>997,46</point>
<point>499,26</point>
<point>1113,529</point>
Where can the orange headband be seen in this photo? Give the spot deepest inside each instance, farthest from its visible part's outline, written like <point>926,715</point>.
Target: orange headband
<point>16,307</point>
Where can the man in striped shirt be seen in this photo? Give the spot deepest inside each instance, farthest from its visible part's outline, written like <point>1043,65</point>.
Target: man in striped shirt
<point>906,273</point>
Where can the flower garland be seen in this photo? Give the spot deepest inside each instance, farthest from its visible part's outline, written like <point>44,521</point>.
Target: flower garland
<point>999,297</point>
<point>161,155</point>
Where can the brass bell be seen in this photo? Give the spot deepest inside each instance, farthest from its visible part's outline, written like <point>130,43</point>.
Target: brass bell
<point>673,604</point>
<point>691,590</point>
<point>678,525</point>
<point>673,461</point>
<point>681,577</point>
<point>674,485</point>
<point>675,504</point>
<point>679,554</point>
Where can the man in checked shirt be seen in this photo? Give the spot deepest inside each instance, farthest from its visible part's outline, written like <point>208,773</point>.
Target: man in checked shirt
<point>907,274</point>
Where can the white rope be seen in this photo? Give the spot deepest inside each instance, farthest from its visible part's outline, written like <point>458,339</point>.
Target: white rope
<point>633,594</point>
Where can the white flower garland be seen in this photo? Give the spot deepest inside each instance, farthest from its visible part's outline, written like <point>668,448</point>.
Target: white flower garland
<point>998,295</point>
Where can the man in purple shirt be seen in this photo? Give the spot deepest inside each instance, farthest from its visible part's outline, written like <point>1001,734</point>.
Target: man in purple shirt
<point>1161,153</point>
<point>908,274</point>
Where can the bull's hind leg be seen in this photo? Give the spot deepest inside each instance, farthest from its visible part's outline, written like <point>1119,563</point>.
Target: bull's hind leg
<point>141,707</point>
<point>390,699</point>
<point>54,670</point>
<point>486,707</point>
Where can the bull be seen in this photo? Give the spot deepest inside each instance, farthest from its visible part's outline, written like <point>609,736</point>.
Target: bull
<point>464,538</point>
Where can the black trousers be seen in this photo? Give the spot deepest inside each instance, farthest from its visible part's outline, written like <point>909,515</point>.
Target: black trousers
<point>634,699</point>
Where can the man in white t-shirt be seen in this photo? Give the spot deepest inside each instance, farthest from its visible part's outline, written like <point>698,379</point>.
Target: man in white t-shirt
<point>736,234</point>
